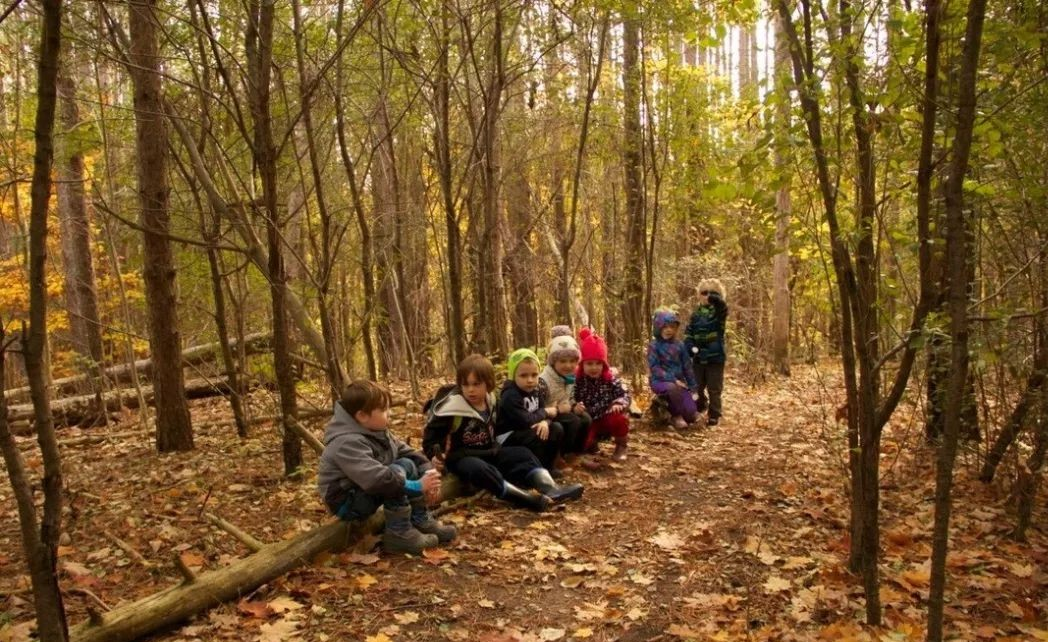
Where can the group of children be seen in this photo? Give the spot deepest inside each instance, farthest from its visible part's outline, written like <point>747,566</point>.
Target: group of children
<point>512,444</point>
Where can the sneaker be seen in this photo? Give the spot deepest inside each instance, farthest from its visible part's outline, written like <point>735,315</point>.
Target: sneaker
<point>620,453</point>
<point>679,423</point>
<point>713,421</point>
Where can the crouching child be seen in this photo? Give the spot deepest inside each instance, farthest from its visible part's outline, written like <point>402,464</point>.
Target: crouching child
<point>365,466</point>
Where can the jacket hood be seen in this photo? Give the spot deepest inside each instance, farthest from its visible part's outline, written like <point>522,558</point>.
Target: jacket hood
<point>342,423</point>
<point>663,318</point>
<point>455,405</point>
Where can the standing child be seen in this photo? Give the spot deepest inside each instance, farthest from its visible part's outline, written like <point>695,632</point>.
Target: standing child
<point>525,418</point>
<point>364,466</point>
<point>603,394</point>
<point>669,368</point>
<point>460,435</point>
<point>562,359</point>
<point>705,342</point>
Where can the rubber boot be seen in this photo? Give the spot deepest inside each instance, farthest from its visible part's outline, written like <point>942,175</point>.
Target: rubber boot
<point>400,536</point>
<point>424,522</point>
<point>526,499</point>
<point>621,445</point>
<point>541,481</point>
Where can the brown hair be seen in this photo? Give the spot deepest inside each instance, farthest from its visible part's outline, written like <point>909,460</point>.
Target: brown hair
<point>479,366</point>
<point>364,396</point>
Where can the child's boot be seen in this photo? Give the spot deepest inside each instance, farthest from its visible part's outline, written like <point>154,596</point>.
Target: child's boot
<point>532,501</point>
<point>542,481</point>
<point>424,522</point>
<point>400,536</point>
<point>620,449</point>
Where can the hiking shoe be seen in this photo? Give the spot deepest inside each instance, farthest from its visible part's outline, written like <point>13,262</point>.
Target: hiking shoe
<point>712,421</point>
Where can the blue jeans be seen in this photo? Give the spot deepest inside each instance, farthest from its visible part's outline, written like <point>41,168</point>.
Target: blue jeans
<point>359,505</point>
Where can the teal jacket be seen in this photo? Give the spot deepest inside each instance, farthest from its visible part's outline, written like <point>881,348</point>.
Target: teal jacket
<point>704,336</point>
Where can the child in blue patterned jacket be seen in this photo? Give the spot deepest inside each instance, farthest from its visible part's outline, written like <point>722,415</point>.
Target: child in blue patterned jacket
<point>669,368</point>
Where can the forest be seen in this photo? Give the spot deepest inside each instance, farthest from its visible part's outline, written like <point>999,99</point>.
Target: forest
<point>216,215</point>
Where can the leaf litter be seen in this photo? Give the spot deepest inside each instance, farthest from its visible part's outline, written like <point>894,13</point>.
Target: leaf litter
<point>736,532</point>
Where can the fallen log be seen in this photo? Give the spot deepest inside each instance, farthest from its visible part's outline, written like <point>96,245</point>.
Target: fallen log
<point>83,408</point>
<point>211,588</point>
<point>192,356</point>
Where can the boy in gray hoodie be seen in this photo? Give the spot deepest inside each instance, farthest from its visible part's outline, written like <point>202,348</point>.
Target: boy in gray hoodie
<point>364,466</point>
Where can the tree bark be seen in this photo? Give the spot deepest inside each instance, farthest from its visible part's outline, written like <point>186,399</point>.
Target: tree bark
<point>260,59</point>
<point>780,327</point>
<point>636,225</point>
<point>174,432</point>
<point>40,541</point>
<point>81,299</point>
<point>957,249</point>
<point>1011,430</point>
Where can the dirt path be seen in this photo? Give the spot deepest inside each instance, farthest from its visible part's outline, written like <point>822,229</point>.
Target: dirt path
<point>731,533</point>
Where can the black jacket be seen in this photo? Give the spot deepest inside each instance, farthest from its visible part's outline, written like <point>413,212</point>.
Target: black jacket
<point>519,410</point>
<point>459,430</point>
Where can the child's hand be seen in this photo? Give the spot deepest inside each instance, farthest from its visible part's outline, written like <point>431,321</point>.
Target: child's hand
<point>542,430</point>
<point>563,408</point>
<point>431,486</point>
<point>681,384</point>
<point>579,408</point>
<point>551,411</point>
<point>617,408</point>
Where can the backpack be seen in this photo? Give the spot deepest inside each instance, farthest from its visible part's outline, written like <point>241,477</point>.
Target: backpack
<point>430,406</point>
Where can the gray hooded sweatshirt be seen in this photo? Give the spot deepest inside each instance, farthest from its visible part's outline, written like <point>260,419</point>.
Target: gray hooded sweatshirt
<point>355,457</point>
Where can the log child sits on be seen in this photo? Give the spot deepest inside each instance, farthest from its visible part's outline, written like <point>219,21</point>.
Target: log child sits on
<point>460,437</point>
<point>604,395</point>
<point>365,466</point>
<point>669,368</point>
<point>562,359</point>
<point>525,418</point>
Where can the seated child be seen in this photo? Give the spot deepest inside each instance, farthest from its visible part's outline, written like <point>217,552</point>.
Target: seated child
<point>524,417</point>
<point>603,394</point>
<point>669,369</point>
<point>460,435</point>
<point>364,466</point>
<point>705,342</point>
<point>562,359</point>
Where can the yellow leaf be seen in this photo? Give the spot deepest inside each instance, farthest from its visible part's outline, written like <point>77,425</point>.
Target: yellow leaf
<point>582,633</point>
<point>378,637</point>
<point>365,580</point>
<point>776,584</point>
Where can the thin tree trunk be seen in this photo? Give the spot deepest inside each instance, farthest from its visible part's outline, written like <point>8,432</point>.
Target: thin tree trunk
<point>260,58</point>
<point>174,432</point>
<point>1011,430</point>
<point>40,541</point>
<point>633,270</point>
<point>780,333</point>
<point>957,249</point>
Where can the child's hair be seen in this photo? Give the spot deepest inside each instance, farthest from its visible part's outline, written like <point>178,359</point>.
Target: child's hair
<point>480,367</point>
<point>712,285</point>
<point>365,396</point>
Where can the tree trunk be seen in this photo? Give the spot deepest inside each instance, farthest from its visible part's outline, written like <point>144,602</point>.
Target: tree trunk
<point>780,327</point>
<point>1030,397</point>
<point>633,270</point>
<point>260,58</point>
<point>456,325</point>
<point>1030,477</point>
<point>40,541</point>
<point>81,299</point>
<point>957,249</point>
<point>174,432</point>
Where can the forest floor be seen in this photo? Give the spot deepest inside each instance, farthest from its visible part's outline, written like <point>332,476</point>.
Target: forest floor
<point>738,532</point>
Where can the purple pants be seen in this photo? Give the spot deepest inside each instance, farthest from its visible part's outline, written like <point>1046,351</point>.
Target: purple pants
<point>679,399</point>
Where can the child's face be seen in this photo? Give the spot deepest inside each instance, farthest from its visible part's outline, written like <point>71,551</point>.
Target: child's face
<point>565,365</point>
<point>527,376</point>
<point>592,367</point>
<point>376,420</point>
<point>474,391</point>
<point>669,331</point>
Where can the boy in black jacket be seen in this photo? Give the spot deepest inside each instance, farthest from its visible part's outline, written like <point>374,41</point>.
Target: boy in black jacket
<point>460,435</point>
<point>524,419</point>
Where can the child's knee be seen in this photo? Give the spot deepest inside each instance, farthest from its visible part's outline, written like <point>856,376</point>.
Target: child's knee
<point>407,466</point>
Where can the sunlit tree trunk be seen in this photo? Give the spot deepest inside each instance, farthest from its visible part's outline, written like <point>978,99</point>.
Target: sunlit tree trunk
<point>173,428</point>
<point>633,270</point>
<point>780,327</point>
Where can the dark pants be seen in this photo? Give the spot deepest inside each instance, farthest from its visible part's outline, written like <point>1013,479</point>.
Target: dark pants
<point>711,381</point>
<point>358,504</point>
<point>576,428</point>
<point>511,463</point>
<point>546,450</point>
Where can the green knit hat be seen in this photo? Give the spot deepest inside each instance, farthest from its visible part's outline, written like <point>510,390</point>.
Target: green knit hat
<point>518,357</point>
